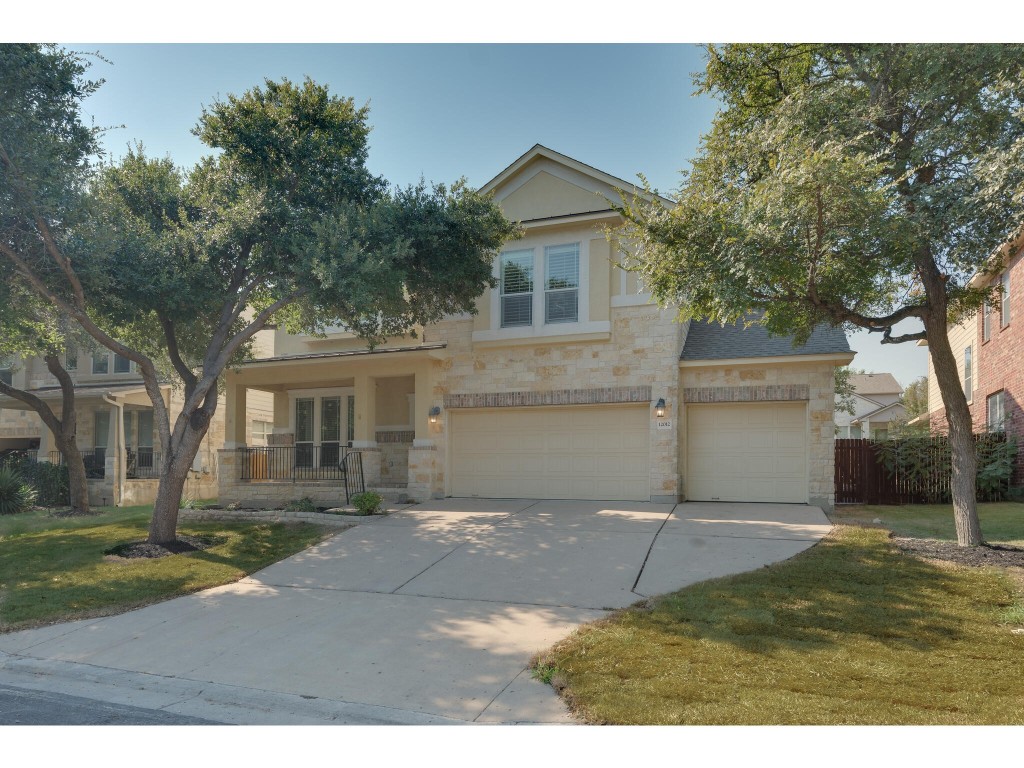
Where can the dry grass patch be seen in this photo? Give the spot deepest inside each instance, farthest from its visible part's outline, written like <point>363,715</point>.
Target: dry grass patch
<point>850,631</point>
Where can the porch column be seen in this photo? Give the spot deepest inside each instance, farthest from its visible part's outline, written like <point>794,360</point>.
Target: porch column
<point>424,470</point>
<point>365,430</point>
<point>45,442</point>
<point>114,463</point>
<point>234,414</point>
<point>423,400</point>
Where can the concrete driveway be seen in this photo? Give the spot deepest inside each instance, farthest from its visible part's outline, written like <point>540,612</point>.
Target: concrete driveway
<point>427,615</point>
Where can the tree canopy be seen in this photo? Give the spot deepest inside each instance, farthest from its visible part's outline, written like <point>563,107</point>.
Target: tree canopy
<point>856,185</point>
<point>284,223</point>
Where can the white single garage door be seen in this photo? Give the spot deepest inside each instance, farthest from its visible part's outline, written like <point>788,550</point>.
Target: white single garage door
<point>576,452</point>
<point>746,452</point>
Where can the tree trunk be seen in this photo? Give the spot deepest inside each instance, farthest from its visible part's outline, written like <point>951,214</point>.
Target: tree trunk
<point>961,437</point>
<point>163,527</point>
<point>78,483</point>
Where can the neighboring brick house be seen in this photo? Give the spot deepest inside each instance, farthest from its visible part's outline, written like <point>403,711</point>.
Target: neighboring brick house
<point>876,406</point>
<point>989,349</point>
<point>568,383</point>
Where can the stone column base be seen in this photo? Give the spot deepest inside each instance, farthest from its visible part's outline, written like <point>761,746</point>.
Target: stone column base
<point>425,479</point>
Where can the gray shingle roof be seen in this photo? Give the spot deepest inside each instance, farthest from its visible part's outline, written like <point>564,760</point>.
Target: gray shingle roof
<point>711,341</point>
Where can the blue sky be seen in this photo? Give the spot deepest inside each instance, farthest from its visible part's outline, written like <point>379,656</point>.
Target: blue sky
<point>445,111</point>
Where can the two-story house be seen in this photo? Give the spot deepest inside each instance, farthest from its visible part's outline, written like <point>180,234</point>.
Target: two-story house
<point>876,405</point>
<point>568,383</point>
<point>988,347</point>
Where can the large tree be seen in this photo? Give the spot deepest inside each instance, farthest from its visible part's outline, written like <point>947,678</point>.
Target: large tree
<point>860,185</point>
<point>29,328</point>
<point>284,224</point>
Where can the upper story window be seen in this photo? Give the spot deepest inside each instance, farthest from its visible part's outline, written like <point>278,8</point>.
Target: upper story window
<point>100,361</point>
<point>986,322</point>
<point>561,283</point>
<point>122,364</point>
<point>516,288</point>
<point>995,408</point>
<point>1004,314</point>
<point>968,374</point>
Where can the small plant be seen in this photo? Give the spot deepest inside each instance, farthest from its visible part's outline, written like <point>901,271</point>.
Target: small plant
<point>189,502</point>
<point>16,496</point>
<point>305,504</point>
<point>544,672</point>
<point>367,503</point>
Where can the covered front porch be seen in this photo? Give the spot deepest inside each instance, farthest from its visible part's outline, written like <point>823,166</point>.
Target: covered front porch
<point>326,408</point>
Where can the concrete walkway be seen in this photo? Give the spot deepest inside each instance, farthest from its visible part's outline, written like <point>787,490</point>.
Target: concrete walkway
<point>427,615</point>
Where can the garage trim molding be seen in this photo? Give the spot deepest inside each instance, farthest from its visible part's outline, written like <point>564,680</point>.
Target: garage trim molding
<point>747,394</point>
<point>595,396</point>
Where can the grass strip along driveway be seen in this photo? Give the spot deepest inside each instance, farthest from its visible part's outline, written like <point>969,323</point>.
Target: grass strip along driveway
<point>56,569</point>
<point>850,631</point>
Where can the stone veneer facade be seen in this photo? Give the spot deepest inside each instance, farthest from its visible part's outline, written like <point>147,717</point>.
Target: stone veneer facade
<point>638,363</point>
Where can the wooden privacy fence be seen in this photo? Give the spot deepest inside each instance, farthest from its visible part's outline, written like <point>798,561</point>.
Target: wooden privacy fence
<point>863,476</point>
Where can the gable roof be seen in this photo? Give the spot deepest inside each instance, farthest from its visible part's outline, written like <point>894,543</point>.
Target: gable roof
<point>708,340</point>
<point>875,384</point>
<point>539,150</point>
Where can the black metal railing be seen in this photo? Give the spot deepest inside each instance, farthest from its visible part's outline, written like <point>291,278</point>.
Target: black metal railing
<point>352,471</point>
<point>295,462</point>
<point>95,463</point>
<point>142,464</point>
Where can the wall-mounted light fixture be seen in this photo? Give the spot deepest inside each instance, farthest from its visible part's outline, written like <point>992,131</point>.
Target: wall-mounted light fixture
<point>659,407</point>
<point>435,411</point>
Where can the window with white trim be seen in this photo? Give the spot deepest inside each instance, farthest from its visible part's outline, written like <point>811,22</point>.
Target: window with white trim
<point>70,359</point>
<point>100,361</point>
<point>986,322</point>
<point>995,408</point>
<point>968,374</point>
<point>516,288</point>
<point>561,283</point>
<point>261,431</point>
<point>1004,306</point>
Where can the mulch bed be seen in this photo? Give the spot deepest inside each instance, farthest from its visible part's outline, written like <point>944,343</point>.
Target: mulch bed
<point>137,549</point>
<point>72,513</point>
<point>988,554</point>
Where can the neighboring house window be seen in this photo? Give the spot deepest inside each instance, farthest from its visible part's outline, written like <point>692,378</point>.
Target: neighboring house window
<point>881,434</point>
<point>1004,315</point>
<point>996,409</point>
<point>986,322</point>
<point>516,288</point>
<point>100,361</point>
<point>261,430</point>
<point>855,432</point>
<point>968,374</point>
<point>561,283</point>
<point>70,360</point>
<point>6,371</point>
<point>122,364</point>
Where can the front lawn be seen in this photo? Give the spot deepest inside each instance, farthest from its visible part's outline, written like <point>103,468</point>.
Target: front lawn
<point>850,631</point>
<point>1001,522</point>
<point>55,569</point>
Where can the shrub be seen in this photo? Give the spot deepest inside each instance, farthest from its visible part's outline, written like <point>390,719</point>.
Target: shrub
<point>305,504</point>
<point>50,482</point>
<point>16,496</point>
<point>367,503</point>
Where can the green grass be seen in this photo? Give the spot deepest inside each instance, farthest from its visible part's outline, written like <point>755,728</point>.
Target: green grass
<point>1001,522</point>
<point>849,631</point>
<point>55,569</point>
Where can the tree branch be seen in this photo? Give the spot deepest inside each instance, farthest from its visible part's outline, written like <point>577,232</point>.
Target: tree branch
<point>187,376</point>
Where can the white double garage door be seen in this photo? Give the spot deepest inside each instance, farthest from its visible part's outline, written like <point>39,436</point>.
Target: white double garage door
<point>734,452</point>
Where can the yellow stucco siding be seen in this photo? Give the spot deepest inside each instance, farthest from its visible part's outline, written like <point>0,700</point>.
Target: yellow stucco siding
<point>961,336</point>
<point>545,196</point>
